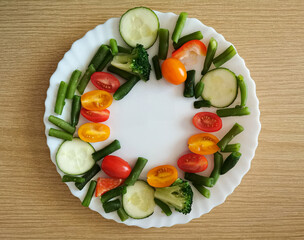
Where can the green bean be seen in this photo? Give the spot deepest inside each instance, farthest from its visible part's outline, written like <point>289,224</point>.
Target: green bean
<point>232,147</point>
<point>243,90</point>
<point>198,90</point>
<point>88,176</point>
<point>212,46</point>
<point>179,26</point>
<point>157,70</point>
<point>201,103</point>
<point>124,74</point>
<point>60,134</point>
<point>68,178</point>
<point>123,49</point>
<point>85,79</point>
<point>202,190</point>
<point>198,179</point>
<point>88,197</point>
<point>218,162</point>
<point>235,130</point>
<point>60,100</point>
<point>73,84</point>
<point>136,171</point>
<point>230,162</point>
<point>163,43</point>
<point>108,58</point>
<point>228,112</point>
<point>192,36</point>
<point>114,47</point>
<point>75,111</point>
<point>164,207</point>
<point>62,124</point>
<point>99,56</point>
<point>107,150</point>
<point>111,206</point>
<point>113,193</point>
<point>125,88</point>
<point>224,57</point>
<point>122,214</point>
<point>189,84</point>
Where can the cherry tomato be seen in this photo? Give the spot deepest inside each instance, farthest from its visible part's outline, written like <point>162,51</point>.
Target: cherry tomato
<point>93,132</point>
<point>207,121</point>
<point>203,144</point>
<point>96,100</point>
<point>106,184</point>
<point>95,116</point>
<point>105,81</point>
<point>188,53</point>
<point>174,71</point>
<point>162,176</point>
<point>115,167</point>
<point>192,163</point>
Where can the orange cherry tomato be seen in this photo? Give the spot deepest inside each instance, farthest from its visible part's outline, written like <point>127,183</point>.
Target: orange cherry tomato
<point>96,100</point>
<point>174,71</point>
<point>93,132</point>
<point>162,176</point>
<point>203,144</point>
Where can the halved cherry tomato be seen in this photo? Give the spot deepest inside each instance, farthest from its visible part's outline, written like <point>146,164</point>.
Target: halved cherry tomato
<point>95,116</point>
<point>162,176</point>
<point>105,81</point>
<point>96,100</point>
<point>93,132</point>
<point>192,163</point>
<point>115,167</point>
<point>188,53</point>
<point>106,184</point>
<point>207,121</point>
<point>203,144</point>
<point>174,71</point>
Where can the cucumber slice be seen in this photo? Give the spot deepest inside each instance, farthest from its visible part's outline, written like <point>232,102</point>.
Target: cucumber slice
<point>220,87</point>
<point>75,157</point>
<point>138,202</point>
<point>139,26</point>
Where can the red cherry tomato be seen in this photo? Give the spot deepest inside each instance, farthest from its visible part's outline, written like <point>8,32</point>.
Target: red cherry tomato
<point>106,184</point>
<point>105,81</point>
<point>115,167</point>
<point>174,71</point>
<point>207,121</point>
<point>192,163</point>
<point>95,116</point>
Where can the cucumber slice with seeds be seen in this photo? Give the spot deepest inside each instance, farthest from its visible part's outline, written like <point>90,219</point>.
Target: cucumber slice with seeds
<point>139,26</point>
<point>75,157</point>
<point>220,87</point>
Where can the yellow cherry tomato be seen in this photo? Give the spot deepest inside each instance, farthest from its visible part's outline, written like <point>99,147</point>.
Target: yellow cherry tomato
<point>93,132</point>
<point>203,144</point>
<point>174,71</point>
<point>96,100</point>
<point>162,176</point>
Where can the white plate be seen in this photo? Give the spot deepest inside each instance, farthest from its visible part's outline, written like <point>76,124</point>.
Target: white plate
<point>155,121</point>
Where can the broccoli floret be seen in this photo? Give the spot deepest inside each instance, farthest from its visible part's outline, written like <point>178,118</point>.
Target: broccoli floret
<point>137,62</point>
<point>179,195</point>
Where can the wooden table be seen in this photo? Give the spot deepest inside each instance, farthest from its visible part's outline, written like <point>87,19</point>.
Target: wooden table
<point>269,203</point>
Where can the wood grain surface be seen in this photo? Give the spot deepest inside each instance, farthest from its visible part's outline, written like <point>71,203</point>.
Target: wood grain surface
<point>268,204</point>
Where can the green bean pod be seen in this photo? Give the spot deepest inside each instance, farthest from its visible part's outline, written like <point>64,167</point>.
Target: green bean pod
<point>107,150</point>
<point>198,90</point>
<point>114,47</point>
<point>111,206</point>
<point>123,49</point>
<point>224,57</point>
<point>113,193</point>
<point>243,90</point>
<point>218,162</point>
<point>75,111</point>
<point>73,84</point>
<point>62,124</point>
<point>235,130</point>
<point>157,69</point>
<point>228,112</point>
<point>179,26</point>
<point>122,214</point>
<point>60,100</point>
<point>125,88</point>
<point>88,197</point>
<point>163,206</point>
<point>230,162</point>
<point>85,79</point>
<point>60,134</point>
<point>99,56</point>
<point>68,178</point>
<point>198,179</point>
<point>201,103</point>
<point>192,36</point>
<point>202,190</point>
<point>136,171</point>
<point>108,58</point>
<point>232,147</point>
<point>163,43</point>
<point>124,74</point>
<point>189,84</point>
<point>88,176</point>
<point>212,46</point>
